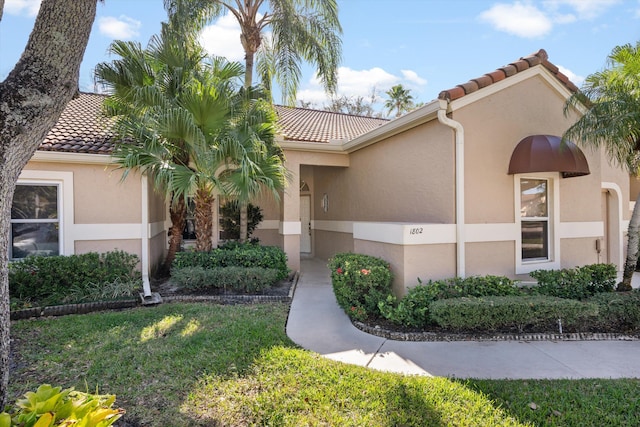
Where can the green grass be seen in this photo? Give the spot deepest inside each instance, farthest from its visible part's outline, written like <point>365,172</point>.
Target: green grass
<point>204,364</point>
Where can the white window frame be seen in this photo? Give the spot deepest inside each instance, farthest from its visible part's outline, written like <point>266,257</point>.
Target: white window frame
<point>553,215</point>
<point>64,182</point>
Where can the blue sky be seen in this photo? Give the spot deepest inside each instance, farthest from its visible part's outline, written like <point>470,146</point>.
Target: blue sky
<point>425,45</point>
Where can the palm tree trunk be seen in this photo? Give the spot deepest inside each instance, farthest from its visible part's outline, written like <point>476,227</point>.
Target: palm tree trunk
<point>204,220</point>
<point>248,73</point>
<point>244,221</point>
<point>177,213</point>
<point>633,239</point>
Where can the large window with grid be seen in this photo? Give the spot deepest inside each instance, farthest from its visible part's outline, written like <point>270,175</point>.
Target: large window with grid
<point>35,221</point>
<point>534,219</point>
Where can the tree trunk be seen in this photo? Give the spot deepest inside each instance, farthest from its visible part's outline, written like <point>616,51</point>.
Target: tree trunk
<point>204,220</point>
<point>177,214</point>
<point>244,221</point>
<point>32,97</point>
<point>632,248</point>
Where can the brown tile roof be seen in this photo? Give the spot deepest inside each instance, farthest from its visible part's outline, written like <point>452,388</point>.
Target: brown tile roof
<point>81,128</point>
<point>305,125</point>
<point>538,58</point>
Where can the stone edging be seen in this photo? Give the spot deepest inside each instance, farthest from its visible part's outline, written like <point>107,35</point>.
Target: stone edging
<point>542,336</point>
<point>89,307</point>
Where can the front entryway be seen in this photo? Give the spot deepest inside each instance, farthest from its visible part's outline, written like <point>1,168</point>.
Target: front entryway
<point>305,220</point>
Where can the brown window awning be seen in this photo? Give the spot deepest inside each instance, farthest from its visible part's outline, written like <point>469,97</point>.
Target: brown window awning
<point>547,153</point>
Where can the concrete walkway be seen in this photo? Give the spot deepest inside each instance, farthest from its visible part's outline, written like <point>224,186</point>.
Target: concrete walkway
<point>318,324</point>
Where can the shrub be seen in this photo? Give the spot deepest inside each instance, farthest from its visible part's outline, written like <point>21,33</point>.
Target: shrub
<point>116,289</point>
<point>236,255</point>
<point>618,311</point>
<point>238,279</point>
<point>575,283</point>
<point>413,309</point>
<point>48,280</point>
<point>512,312</point>
<point>51,406</point>
<point>360,283</point>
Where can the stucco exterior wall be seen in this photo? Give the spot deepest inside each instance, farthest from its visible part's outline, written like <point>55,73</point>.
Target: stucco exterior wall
<point>495,258</point>
<point>328,243</point>
<point>493,127</point>
<point>408,177</point>
<point>101,197</point>
<point>131,246</point>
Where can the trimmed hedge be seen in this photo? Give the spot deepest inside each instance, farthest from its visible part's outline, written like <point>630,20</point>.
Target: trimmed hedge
<point>618,311</point>
<point>236,255</point>
<point>413,309</point>
<point>512,313</point>
<point>576,283</point>
<point>49,280</point>
<point>239,279</point>
<point>360,283</point>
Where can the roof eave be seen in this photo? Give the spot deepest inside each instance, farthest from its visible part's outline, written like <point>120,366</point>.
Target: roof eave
<point>403,123</point>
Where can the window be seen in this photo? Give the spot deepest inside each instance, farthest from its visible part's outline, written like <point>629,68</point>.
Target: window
<point>189,232</point>
<point>35,221</point>
<point>534,219</point>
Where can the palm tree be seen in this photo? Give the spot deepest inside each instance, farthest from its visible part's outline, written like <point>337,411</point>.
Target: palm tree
<point>301,30</point>
<point>399,99</point>
<point>255,163</point>
<point>171,102</point>
<point>610,100</point>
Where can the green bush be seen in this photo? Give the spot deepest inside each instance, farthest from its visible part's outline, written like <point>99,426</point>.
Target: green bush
<point>413,309</point>
<point>49,280</point>
<point>512,313</point>
<point>238,279</point>
<point>360,283</point>
<point>116,289</point>
<point>236,255</point>
<point>52,406</point>
<point>575,283</point>
<point>618,311</point>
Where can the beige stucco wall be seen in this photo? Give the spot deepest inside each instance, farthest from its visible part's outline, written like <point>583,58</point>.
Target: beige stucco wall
<point>100,195</point>
<point>408,177</point>
<point>493,127</point>
<point>408,263</point>
<point>131,246</point>
<point>495,258</point>
<point>328,243</point>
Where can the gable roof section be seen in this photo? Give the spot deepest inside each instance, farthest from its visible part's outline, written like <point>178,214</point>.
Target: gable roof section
<point>81,128</point>
<point>305,125</point>
<point>526,62</point>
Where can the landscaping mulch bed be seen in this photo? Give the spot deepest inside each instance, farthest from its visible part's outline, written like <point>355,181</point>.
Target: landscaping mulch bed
<point>280,292</point>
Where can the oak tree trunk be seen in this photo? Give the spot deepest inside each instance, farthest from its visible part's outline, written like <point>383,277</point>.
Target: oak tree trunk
<point>32,97</point>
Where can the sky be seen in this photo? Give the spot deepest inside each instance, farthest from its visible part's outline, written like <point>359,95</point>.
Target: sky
<point>425,45</point>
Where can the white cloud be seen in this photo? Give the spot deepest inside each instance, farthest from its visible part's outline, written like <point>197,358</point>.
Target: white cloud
<point>22,7</point>
<point>360,83</point>
<point>585,9</point>
<point>121,28</point>
<point>575,79</point>
<point>413,77</point>
<point>520,19</point>
<point>223,38</point>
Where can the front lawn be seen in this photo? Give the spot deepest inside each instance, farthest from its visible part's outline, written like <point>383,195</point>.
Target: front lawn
<point>206,364</point>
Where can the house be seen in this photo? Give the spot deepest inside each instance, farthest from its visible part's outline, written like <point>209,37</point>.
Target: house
<point>475,182</point>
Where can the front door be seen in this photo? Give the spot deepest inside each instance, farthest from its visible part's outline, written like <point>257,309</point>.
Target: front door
<point>305,220</point>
